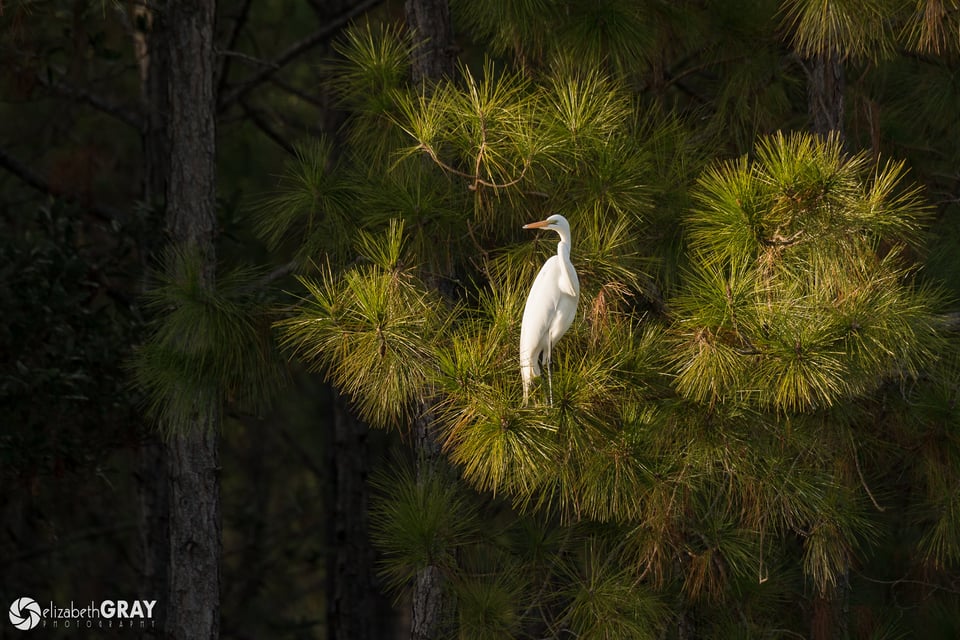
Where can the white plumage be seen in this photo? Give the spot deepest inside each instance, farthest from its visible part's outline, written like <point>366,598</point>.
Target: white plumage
<point>551,306</point>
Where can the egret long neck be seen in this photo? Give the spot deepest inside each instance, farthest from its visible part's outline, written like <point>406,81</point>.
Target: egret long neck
<point>569,283</point>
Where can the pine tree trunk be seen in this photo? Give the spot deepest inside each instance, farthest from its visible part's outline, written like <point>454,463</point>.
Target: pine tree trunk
<point>150,46</point>
<point>149,39</point>
<point>195,536</point>
<point>154,523</point>
<point>432,60</point>
<point>194,598</point>
<point>352,600</point>
<point>432,605</point>
<point>433,57</point>
<point>825,94</point>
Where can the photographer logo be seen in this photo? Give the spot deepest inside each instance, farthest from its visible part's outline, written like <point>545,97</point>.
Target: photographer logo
<point>25,613</point>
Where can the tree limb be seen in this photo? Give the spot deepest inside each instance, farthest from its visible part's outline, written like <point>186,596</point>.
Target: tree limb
<point>132,118</point>
<point>238,24</point>
<point>263,125</point>
<point>294,91</point>
<point>317,37</point>
<point>28,176</point>
<point>477,180</point>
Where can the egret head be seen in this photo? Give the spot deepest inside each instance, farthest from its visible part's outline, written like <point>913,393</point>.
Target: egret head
<point>556,222</point>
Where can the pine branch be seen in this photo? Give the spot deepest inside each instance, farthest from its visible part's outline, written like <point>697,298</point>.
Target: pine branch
<point>271,277</point>
<point>294,91</point>
<point>298,48</point>
<point>28,176</point>
<point>260,122</point>
<point>132,118</point>
<point>477,181</point>
<point>906,581</point>
<point>239,55</point>
<point>951,321</point>
<point>225,60</point>
<point>863,481</point>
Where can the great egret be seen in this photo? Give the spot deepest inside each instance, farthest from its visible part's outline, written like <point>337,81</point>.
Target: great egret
<point>551,306</point>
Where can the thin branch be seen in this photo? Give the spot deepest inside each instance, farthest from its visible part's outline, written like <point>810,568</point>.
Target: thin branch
<point>261,123</point>
<point>280,272</point>
<point>238,24</point>
<point>863,481</point>
<point>22,171</point>
<point>779,240</point>
<point>899,581</point>
<point>308,462</point>
<point>548,578</point>
<point>676,78</point>
<point>132,118</point>
<point>294,91</point>
<point>477,181</point>
<point>951,321</point>
<point>268,279</point>
<point>239,55</point>
<point>317,37</point>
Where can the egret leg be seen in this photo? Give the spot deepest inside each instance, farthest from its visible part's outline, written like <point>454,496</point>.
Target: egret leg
<point>547,353</point>
<point>549,383</point>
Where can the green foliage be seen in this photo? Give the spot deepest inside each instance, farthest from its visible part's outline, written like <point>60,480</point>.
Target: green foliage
<point>508,26</point>
<point>486,129</point>
<point>370,329</point>
<point>795,305</point>
<point>857,28</point>
<point>488,608</point>
<point>618,35</point>
<point>369,81</point>
<point>609,601</point>
<point>210,346</point>
<point>420,522</point>
<point>933,26</point>
<point>731,404</point>
<point>312,204</point>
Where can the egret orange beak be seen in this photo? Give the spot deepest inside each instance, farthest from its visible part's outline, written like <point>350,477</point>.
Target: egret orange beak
<point>536,225</point>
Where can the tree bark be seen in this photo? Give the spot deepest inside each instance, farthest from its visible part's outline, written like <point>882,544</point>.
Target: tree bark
<point>193,611</point>
<point>432,606</point>
<point>433,56</point>
<point>429,603</point>
<point>154,523</point>
<point>150,47</point>
<point>431,60</point>
<point>825,94</point>
<point>353,606</point>
<point>825,89</point>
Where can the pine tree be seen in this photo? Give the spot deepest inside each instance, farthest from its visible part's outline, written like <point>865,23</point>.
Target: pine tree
<point>756,344</point>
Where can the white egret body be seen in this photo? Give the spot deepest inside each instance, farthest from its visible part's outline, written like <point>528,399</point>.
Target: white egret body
<point>551,306</point>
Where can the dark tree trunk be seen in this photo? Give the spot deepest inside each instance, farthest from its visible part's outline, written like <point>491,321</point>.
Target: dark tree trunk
<point>432,606</point>
<point>825,94</point>
<point>433,57</point>
<point>195,541</point>
<point>354,607</point>
<point>154,523</point>
<point>150,46</point>
<point>825,89</point>
<point>193,611</point>
<point>149,39</point>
